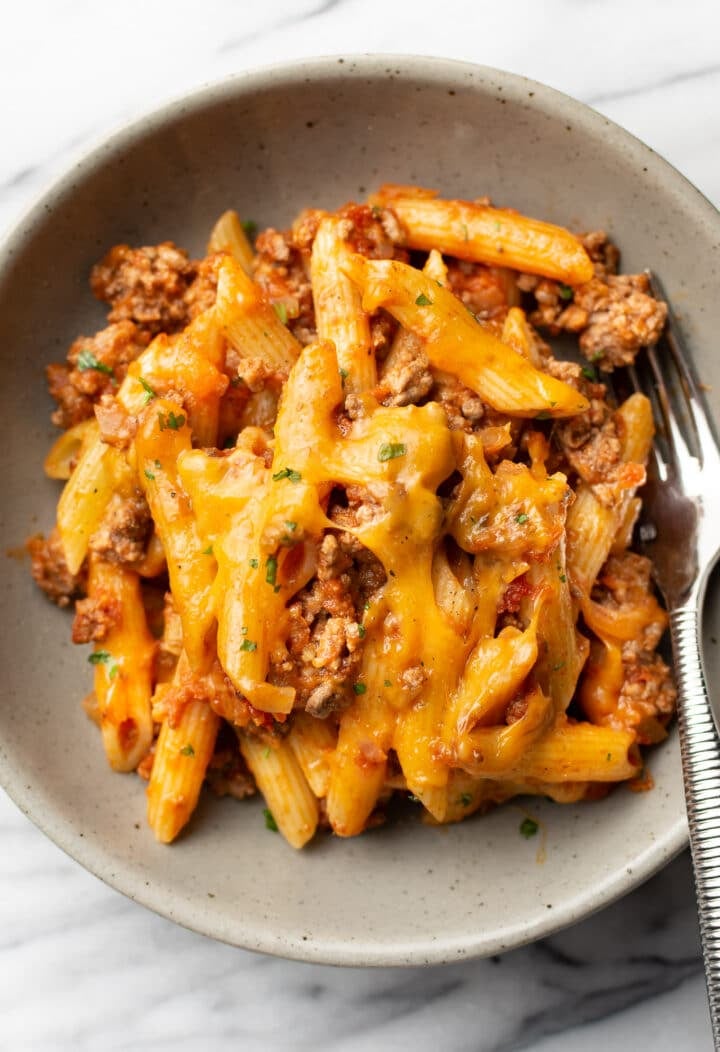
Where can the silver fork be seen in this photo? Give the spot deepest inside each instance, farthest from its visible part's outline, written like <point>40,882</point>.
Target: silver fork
<point>680,532</point>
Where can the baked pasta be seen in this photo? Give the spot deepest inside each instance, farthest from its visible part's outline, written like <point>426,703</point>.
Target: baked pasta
<point>340,526</point>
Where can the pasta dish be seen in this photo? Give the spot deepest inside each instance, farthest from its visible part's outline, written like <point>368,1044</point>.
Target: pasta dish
<point>342,528</point>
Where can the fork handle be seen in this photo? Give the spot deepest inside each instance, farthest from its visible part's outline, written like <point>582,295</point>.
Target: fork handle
<point>700,748</point>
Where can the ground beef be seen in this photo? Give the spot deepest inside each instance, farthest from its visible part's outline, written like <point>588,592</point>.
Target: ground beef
<point>648,694</point>
<point>117,426</point>
<point>72,406</point>
<point>373,232</point>
<point>487,292</point>
<point>324,645</point>
<point>615,315</point>
<point>202,291</point>
<point>125,530</point>
<point>227,774</point>
<point>603,253</point>
<point>282,269</point>
<point>462,406</point>
<point>50,571</point>
<point>148,286</point>
<point>405,376</point>
<point>94,618</point>
<point>622,318</point>
<point>589,443</point>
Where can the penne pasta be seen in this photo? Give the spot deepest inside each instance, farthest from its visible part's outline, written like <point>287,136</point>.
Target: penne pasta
<point>496,236</point>
<point>348,529</point>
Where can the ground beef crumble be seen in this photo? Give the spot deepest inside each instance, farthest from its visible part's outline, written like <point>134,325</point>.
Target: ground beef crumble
<point>153,286</point>
<point>125,530</point>
<point>50,571</point>
<point>648,695</point>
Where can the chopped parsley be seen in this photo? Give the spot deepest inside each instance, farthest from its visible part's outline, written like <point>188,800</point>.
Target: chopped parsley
<point>281,311</point>
<point>544,414</point>
<point>266,752</point>
<point>254,563</point>
<point>558,666</point>
<point>87,360</point>
<point>589,372</point>
<point>359,688</point>
<point>361,631</point>
<point>187,750</point>
<point>208,550</point>
<point>521,518</point>
<point>466,799</point>
<point>565,292</point>
<point>563,578</point>
<point>150,393</point>
<point>250,227</point>
<point>270,822</point>
<point>391,450</point>
<point>149,475</point>
<point>104,657</point>
<point>172,421</point>
<point>248,645</point>
<point>287,473</point>
<point>291,526</point>
<point>388,683</point>
<point>423,301</point>
<point>343,375</point>
<point>271,569</point>
<point>528,827</point>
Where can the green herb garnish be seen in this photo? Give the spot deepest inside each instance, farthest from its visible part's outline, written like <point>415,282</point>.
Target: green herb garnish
<point>287,473</point>
<point>270,822</point>
<point>150,393</point>
<point>271,569</point>
<point>281,311</point>
<point>87,360</point>
<point>565,292</point>
<point>521,518</point>
<point>359,688</point>
<point>247,644</point>
<point>104,657</point>
<point>254,563</point>
<point>149,475</point>
<point>172,421</point>
<point>187,750</point>
<point>423,301</point>
<point>466,799</point>
<point>528,827</point>
<point>391,450</point>
<point>589,372</point>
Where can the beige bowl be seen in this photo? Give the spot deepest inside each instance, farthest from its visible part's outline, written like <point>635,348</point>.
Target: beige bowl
<point>320,133</point>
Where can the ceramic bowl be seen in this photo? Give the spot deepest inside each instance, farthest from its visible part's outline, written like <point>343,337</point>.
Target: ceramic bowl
<point>320,133</point>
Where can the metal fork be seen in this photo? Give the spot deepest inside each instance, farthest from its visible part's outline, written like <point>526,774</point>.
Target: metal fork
<point>680,532</point>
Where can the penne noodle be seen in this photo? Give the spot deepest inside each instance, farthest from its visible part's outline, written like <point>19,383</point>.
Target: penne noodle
<point>123,666</point>
<point>497,236</point>
<point>339,315</point>
<point>228,235</point>
<point>280,779</point>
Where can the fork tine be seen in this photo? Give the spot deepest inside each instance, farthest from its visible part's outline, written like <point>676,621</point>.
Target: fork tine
<point>677,443</point>
<point>704,433</point>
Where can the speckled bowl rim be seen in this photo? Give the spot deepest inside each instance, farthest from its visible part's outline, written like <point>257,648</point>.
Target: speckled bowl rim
<point>435,71</point>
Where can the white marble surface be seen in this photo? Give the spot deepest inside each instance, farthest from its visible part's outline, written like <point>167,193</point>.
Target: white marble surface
<point>81,968</point>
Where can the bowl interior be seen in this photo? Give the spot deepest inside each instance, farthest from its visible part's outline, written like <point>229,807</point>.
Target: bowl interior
<point>269,144</point>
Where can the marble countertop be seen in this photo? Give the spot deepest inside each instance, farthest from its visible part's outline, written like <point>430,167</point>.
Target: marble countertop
<point>83,968</point>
